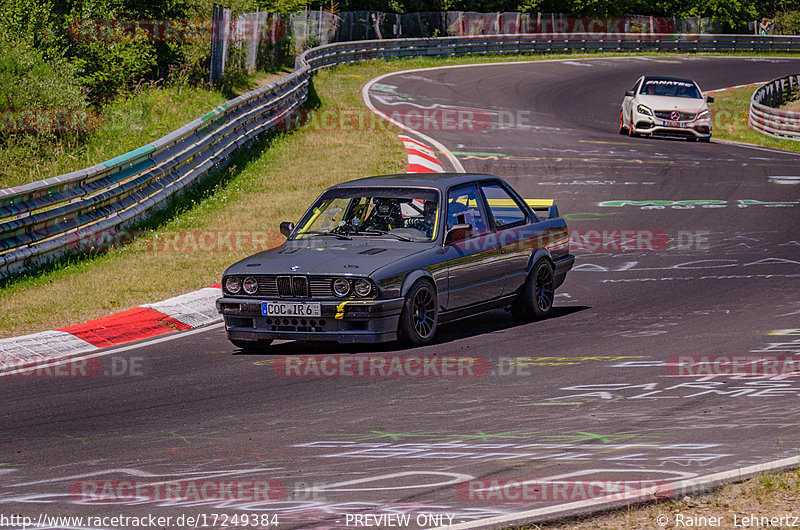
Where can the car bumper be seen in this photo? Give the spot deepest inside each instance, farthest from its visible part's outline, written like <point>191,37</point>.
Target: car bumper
<point>644,124</point>
<point>346,322</point>
<point>562,267</point>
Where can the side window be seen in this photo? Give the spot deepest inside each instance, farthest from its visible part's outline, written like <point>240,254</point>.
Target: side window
<point>463,206</point>
<point>504,208</point>
<point>636,86</point>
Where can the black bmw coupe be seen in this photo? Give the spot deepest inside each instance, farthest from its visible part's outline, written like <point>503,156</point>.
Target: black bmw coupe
<point>391,257</point>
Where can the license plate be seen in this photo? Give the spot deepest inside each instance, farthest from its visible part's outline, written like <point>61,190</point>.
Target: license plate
<point>675,124</point>
<point>290,309</point>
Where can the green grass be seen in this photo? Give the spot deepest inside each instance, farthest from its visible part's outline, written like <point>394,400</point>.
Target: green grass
<point>730,110</point>
<point>124,125</point>
<point>133,120</point>
<point>272,181</point>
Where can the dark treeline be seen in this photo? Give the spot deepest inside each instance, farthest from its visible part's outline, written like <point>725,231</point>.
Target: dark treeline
<point>43,64</point>
<point>734,13</point>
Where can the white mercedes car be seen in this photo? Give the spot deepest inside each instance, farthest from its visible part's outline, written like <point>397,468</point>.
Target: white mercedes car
<point>666,106</point>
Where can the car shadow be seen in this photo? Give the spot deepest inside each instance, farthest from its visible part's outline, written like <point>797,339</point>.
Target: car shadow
<point>497,320</point>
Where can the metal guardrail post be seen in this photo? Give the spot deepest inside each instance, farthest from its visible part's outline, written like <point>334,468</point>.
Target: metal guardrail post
<point>765,116</point>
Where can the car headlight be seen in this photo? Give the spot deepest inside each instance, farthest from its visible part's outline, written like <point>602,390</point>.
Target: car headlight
<point>703,114</point>
<point>250,285</point>
<point>362,287</point>
<point>233,284</point>
<point>341,287</point>
<point>641,109</point>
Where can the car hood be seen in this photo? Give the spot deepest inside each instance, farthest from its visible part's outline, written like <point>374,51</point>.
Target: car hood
<point>361,256</point>
<point>669,103</point>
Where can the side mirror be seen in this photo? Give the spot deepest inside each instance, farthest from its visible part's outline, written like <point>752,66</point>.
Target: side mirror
<point>552,212</point>
<point>458,233</point>
<point>286,228</point>
<point>629,93</point>
<point>710,99</point>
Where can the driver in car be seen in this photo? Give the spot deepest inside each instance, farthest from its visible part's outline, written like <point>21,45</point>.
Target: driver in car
<point>429,218</point>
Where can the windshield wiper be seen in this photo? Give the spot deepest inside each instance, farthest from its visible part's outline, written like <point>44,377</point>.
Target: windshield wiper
<point>384,233</point>
<point>334,234</point>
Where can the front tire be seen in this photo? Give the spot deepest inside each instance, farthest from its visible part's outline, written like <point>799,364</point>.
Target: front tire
<point>535,301</point>
<point>630,126</point>
<point>420,315</point>
<point>252,346</point>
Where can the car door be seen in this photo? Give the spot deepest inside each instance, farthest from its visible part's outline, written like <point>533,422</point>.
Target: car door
<point>516,231</point>
<point>474,266</point>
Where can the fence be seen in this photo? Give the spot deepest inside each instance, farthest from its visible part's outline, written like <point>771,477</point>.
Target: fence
<point>254,35</point>
<point>220,39</point>
<point>766,118</point>
<point>42,220</point>
<point>251,31</point>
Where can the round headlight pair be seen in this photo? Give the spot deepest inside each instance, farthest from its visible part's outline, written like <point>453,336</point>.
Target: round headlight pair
<point>361,287</point>
<point>234,284</point>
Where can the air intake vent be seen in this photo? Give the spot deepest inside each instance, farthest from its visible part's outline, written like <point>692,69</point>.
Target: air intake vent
<point>372,251</point>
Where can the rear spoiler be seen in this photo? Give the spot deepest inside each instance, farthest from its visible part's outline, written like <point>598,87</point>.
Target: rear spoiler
<point>544,205</point>
<point>537,205</point>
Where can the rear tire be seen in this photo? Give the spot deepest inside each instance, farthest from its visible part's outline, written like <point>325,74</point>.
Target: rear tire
<point>621,122</point>
<point>252,346</point>
<point>535,301</point>
<point>420,315</point>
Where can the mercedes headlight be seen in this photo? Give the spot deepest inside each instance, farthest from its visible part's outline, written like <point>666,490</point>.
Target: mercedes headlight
<point>641,109</point>
<point>703,114</point>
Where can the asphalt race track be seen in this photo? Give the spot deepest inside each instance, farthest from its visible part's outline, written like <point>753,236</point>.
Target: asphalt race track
<point>683,249</point>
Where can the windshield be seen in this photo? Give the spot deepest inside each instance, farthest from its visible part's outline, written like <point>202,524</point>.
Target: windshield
<point>408,214</point>
<point>674,88</point>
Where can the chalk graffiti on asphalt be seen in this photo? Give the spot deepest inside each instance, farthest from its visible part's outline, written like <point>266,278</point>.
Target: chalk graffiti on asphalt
<point>589,449</point>
<point>690,204</point>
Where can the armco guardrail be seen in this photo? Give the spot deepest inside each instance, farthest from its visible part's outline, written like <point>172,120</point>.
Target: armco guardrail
<point>766,118</point>
<point>42,220</point>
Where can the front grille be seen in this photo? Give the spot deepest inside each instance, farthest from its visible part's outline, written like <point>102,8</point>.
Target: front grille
<point>267,286</point>
<point>320,287</point>
<point>665,115</point>
<point>284,285</point>
<point>300,286</point>
<point>677,134</point>
<point>292,286</point>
